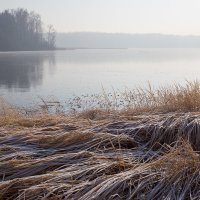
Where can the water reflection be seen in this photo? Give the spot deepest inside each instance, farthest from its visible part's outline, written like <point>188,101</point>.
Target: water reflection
<point>26,75</point>
<point>24,70</point>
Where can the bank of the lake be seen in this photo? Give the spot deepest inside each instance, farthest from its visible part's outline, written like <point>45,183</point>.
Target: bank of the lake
<point>145,150</point>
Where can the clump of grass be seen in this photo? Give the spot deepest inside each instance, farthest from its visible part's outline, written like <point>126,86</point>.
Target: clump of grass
<point>8,113</point>
<point>171,176</point>
<point>12,115</point>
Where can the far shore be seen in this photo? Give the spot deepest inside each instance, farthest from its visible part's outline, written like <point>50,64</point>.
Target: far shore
<point>60,49</point>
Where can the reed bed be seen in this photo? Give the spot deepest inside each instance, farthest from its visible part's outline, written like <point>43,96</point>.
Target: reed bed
<point>171,98</point>
<point>142,152</point>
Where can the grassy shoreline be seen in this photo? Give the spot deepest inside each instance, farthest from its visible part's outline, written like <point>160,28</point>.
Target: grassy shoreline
<point>147,149</point>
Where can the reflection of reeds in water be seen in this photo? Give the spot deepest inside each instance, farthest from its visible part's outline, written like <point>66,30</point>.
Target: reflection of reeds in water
<point>104,153</point>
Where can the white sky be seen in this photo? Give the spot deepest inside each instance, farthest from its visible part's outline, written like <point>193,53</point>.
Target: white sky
<point>127,16</point>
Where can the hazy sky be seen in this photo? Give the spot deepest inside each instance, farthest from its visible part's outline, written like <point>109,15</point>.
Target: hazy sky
<point>129,16</point>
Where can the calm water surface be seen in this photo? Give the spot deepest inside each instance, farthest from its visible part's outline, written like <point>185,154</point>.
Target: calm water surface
<point>25,76</point>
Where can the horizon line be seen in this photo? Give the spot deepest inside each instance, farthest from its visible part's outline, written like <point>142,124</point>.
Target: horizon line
<point>128,33</point>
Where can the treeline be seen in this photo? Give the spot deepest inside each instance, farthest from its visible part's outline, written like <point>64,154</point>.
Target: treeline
<point>21,30</point>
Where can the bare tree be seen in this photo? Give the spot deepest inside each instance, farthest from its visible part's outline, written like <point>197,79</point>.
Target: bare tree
<point>51,37</point>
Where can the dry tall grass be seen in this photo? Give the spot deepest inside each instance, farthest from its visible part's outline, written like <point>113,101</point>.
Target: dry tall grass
<point>164,99</point>
<point>146,150</point>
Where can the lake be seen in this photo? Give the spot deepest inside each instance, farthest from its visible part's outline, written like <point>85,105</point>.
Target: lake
<point>26,76</point>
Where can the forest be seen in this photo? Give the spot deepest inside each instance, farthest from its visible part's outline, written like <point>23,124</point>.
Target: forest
<point>21,30</point>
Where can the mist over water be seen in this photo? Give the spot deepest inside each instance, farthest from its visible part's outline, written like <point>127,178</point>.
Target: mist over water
<point>26,75</point>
